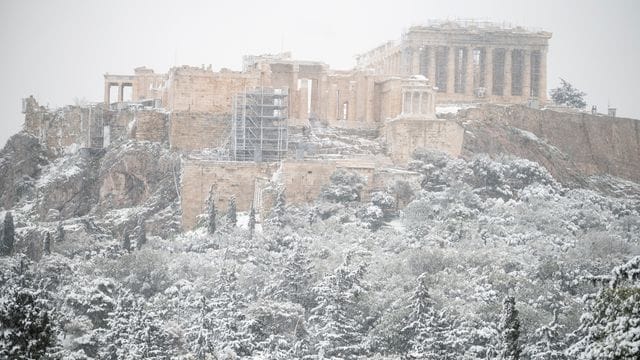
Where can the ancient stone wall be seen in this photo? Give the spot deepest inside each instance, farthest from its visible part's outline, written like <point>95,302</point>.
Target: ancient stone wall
<point>151,125</point>
<point>403,136</point>
<point>199,90</point>
<point>228,178</point>
<point>196,131</point>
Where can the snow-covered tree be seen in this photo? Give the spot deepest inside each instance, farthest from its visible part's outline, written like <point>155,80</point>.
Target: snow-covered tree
<point>211,212</point>
<point>7,237</point>
<point>566,94</point>
<point>294,281</point>
<point>549,344</point>
<point>428,329</point>
<point>610,329</point>
<point>46,245</point>
<point>59,233</point>
<point>126,241</point>
<point>337,323</point>
<point>279,213</point>
<point>509,330</point>
<point>232,216</point>
<point>135,332</point>
<point>345,186</point>
<point>140,233</point>
<point>252,221</point>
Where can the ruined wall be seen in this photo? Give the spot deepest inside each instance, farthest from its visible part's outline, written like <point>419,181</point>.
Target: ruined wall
<point>60,128</point>
<point>568,144</point>
<point>195,131</point>
<point>198,90</point>
<point>404,136</point>
<point>151,125</point>
<point>228,178</point>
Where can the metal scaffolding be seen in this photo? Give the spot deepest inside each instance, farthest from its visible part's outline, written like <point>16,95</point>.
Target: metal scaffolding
<point>259,126</point>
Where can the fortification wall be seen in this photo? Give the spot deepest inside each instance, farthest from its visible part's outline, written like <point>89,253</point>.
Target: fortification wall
<point>568,144</point>
<point>150,126</point>
<point>404,136</point>
<point>196,131</point>
<point>227,178</point>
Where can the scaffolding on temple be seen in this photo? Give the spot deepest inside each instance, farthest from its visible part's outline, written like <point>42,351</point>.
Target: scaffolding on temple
<point>259,125</point>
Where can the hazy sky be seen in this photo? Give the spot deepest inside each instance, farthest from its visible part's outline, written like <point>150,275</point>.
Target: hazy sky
<point>59,50</point>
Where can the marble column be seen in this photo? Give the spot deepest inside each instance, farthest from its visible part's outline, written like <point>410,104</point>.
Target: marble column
<point>542,95</point>
<point>120,92</point>
<point>488,71</point>
<point>451,70</point>
<point>107,93</point>
<point>415,61</point>
<point>468,81</point>
<point>526,74</point>
<point>507,73</point>
<point>431,65</point>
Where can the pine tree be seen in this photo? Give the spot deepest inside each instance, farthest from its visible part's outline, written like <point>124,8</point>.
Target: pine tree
<point>26,331</point>
<point>278,218</point>
<point>232,216</point>
<point>211,212</point>
<point>135,332</point>
<point>126,241</point>
<point>336,322</point>
<point>610,329</point>
<point>252,221</point>
<point>294,282</point>
<point>47,244</point>
<point>509,330</point>
<point>59,233</point>
<point>140,232</point>
<point>428,328</point>
<point>549,344</point>
<point>8,235</point>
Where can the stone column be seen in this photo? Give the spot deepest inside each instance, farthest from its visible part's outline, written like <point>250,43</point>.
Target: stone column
<point>468,81</point>
<point>526,74</point>
<point>120,92</point>
<point>488,71</point>
<point>542,95</point>
<point>431,69</point>
<point>107,93</point>
<point>415,61</point>
<point>507,72</point>
<point>451,70</point>
<point>420,104</point>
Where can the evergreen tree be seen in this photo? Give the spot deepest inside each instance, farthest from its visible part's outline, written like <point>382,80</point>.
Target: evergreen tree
<point>337,323</point>
<point>135,332</point>
<point>26,331</point>
<point>610,329</point>
<point>428,329</point>
<point>509,330</point>
<point>211,212</point>
<point>140,232</point>
<point>232,216</point>
<point>59,233</point>
<point>566,94</point>
<point>278,217</point>
<point>252,221</point>
<point>7,237</point>
<point>126,241</point>
<point>47,244</point>
<point>549,344</point>
<point>294,283</point>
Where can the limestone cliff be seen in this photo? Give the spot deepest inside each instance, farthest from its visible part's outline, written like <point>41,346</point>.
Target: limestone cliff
<point>572,146</point>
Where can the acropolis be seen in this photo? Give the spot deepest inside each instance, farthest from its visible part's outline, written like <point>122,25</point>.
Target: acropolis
<point>238,130</point>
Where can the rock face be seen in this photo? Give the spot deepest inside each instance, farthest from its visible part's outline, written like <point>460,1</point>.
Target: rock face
<point>20,163</point>
<point>137,172</point>
<point>572,146</point>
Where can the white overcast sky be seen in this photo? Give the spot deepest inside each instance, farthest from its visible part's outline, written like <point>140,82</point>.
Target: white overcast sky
<point>59,50</point>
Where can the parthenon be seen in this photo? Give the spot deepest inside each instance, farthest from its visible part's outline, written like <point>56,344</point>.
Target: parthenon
<point>469,61</point>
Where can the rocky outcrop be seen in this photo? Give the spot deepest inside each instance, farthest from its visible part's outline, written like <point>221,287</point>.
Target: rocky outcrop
<point>20,164</point>
<point>572,146</point>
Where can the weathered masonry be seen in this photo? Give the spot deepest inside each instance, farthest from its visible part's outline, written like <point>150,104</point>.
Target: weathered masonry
<point>469,61</point>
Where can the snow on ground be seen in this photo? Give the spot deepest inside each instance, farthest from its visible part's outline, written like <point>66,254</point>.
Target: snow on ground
<point>61,168</point>
<point>452,108</point>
